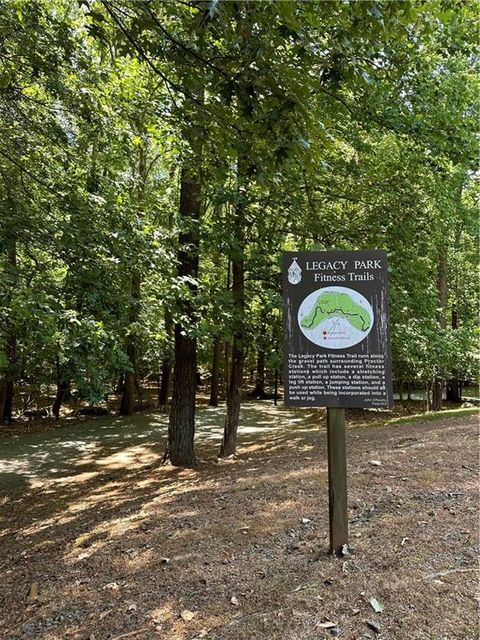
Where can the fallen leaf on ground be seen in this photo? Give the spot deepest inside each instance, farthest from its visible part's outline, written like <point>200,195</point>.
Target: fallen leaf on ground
<point>112,586</point>
<point>377,606</point>
<point>33,593</point>
<point>104,614</point>
<point>327,625</point>
<point>187,615</point>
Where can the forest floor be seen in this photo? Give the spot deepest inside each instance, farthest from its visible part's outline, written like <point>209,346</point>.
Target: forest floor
<point>100,541</point>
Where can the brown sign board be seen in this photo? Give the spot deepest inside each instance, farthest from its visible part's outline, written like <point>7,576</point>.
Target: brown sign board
<point>337,342</point>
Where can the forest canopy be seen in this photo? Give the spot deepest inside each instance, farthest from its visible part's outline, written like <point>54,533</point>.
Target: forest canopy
<point>156,157</point>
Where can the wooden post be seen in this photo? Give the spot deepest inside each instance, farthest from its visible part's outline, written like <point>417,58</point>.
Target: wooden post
<point>337,479</point>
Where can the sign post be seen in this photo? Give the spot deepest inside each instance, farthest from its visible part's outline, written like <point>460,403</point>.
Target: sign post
<point>337,350</point>
<point>337,479</point>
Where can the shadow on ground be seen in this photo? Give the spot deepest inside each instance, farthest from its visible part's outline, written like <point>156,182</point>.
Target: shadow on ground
<point>119,544</point>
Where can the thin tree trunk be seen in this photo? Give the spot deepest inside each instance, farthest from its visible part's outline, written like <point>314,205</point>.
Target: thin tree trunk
<point>400,390</point>
<point>259,391</point>
<point>230,427</point>
<point>62,389</point>
<point>238,349</point>
<point>453,386</point>
<point>131,384</point>
<point>3,393</point>
<point>120,383</point>
<point>437,389</point>
<point>181,428</point>
<point>437,383</point>
<point>215,371</point>
<point>8,390</point>
<point>275,388</point>
<point>226,372</point>
<point>166,363</point>
<point>226,367</point>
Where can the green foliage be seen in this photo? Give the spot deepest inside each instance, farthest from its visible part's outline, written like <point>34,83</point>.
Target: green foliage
<point>357,124</point>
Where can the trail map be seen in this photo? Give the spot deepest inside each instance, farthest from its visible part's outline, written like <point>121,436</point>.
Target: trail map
<point>335,317</point>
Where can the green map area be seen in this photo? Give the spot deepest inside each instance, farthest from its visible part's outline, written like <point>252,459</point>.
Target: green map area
<point>330,304</point>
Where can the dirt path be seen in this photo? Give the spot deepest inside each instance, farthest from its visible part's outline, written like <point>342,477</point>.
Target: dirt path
<point>27,459</point>
<point>119,545</point>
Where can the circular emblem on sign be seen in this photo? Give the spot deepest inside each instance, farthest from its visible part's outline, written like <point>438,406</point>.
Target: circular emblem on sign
<point>335,317</point>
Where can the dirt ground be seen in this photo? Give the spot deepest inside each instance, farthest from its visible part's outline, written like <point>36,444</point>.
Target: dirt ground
<point>116,546</point>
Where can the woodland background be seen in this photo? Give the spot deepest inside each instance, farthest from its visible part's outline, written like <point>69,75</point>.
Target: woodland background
<point>157,157</point>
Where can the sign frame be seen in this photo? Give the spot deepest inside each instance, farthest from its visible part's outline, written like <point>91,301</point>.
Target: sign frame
<point>357,281</point>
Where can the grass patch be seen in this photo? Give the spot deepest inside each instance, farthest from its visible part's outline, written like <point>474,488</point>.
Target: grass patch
<point>431,416</point>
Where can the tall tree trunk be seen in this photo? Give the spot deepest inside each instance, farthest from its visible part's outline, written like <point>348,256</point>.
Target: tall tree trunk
<point>10,352</point>
<point>62,392</point>
<point>120,383</point>
<point>7,389</point>
<point>131,387</point>
<point>454,392</point>
<point>437,382</point>
<point>275,388</point>
<point>259,391</point>
<point>238,349</point>
<point>181,428</point>
<point>437,390</point>
<point>226,368</point>
<point>260,375</point>
<point>3,393</point>
<point>63,389</point>
<point>400,390</point>
<point>215,373</point>
<point>131,384</point>
<point>409,390</point>
<point>166,362</point>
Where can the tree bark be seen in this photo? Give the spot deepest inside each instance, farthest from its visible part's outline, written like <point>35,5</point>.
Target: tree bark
<point>181,428</point>
<point>63,388</point>
<point>400,390</point>
<point>230,428</point>
<point>166,363</point>
<point>226,367</point>
<point>215,373</point>
<point>7,391</point>
<point>437,382</point>
<point>275,388</point>
<point>131,384</point>
<point>454,390</point>
<point>259,391</point>
<point>437,390</point>
<point>62,392</point>
<point>120,383</point>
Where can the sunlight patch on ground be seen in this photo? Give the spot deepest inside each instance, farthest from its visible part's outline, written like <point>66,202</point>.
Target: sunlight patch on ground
<point>129,458</point>
<point>119,443</point>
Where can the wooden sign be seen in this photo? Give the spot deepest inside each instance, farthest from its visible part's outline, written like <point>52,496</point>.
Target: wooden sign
<point>337,346</point>
<point>337,350</point>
